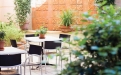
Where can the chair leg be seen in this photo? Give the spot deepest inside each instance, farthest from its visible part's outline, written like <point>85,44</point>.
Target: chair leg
<point>32,61</point>
<point>24,70</point>
<point>17,68</point>
<point>30,70</point>
<point>61,63</point>
<point>41,64</point>
<point>20,70</point>
<point>56,60</point>
<point>30,67</point>
<point>48,60</point>
<point>45,63</point>
<point>59,60</point>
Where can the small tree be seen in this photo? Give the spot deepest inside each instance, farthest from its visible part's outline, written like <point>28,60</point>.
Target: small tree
<point>22,8</point>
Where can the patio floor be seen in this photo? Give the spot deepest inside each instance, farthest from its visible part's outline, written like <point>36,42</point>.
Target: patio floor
<point>50,69</point>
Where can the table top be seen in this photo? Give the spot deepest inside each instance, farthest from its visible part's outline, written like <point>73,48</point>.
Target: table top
<point>12,50</point>
<point>47,38</point>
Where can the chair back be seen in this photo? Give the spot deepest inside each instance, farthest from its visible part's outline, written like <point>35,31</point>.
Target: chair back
<point>65,36</point>
<point>35,49</point>
<point>13,43</point>
<point>52,44</point>
<point>31,35</point>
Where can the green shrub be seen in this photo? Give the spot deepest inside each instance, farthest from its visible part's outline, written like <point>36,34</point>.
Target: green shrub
<point>2,35</point>
<point>11,31</point>
<point>102,3</point>
<point>99,52</point>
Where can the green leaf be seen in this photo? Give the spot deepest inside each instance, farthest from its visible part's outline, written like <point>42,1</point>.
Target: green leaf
<point>104,54</point>
<point>82,42</point>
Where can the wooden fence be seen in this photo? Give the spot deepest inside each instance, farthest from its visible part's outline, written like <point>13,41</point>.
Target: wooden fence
<point>47,14</point>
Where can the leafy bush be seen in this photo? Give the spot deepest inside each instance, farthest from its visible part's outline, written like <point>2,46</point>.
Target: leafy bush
<point>98,53</point>
<point>2,35</point>
<point>11,31</point>
<point>102,3</point>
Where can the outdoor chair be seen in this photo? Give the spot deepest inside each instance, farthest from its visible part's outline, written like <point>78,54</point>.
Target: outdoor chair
<point>65,38</point>
<point>29,42</point>
<point>50,47</point>
<point>22,46</point>
<point>34,50</point>
<point>17,45</point>
<point>65,42</point>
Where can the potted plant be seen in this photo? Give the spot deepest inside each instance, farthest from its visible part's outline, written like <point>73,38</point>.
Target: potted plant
<point>22,8</point>
<point>42,31</point>
<point>11,31</point>
<point>2,36</point>
<point>66,19</point>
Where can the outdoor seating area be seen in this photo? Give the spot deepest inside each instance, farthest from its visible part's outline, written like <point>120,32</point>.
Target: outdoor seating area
<point>34,45</point>
<point>60,37</point>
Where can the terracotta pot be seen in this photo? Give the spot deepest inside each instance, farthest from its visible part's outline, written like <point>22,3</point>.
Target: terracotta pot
<point>24,26</point>
<point>2,45</point>
<point>65,29</point>
<point>42,36</point>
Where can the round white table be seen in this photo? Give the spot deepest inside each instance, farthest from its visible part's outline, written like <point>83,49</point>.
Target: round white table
<point>11,51</point>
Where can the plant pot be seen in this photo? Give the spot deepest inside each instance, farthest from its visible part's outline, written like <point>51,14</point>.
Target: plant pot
<point>2,45</point>
<point>42,36</point>
<point>65,29</point>
<point>24,26</point>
